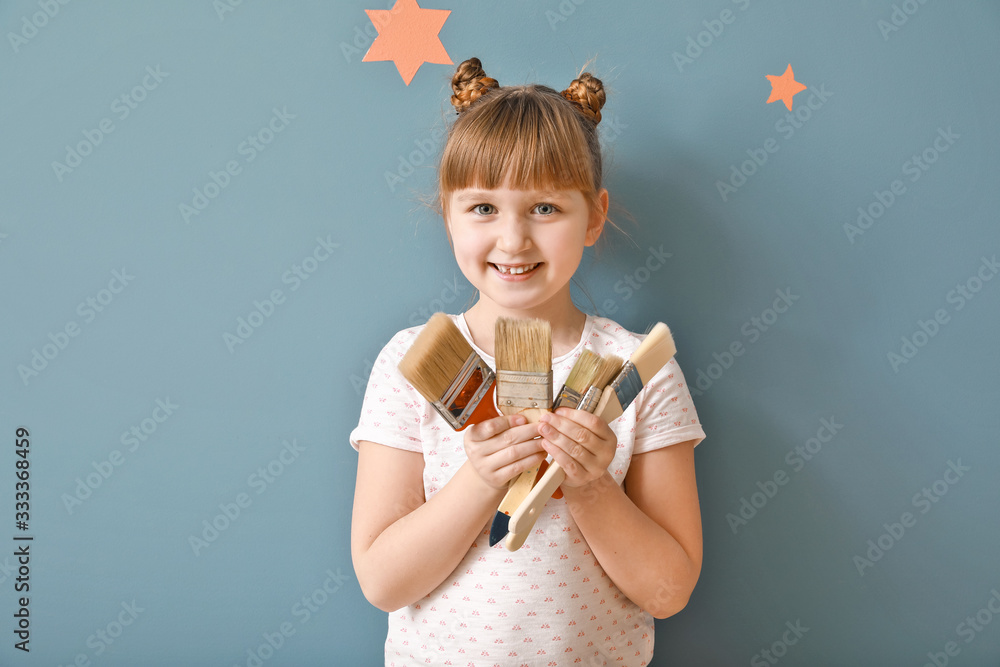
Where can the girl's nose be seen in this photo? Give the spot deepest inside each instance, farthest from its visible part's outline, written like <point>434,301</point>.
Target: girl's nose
<point>513,237</point>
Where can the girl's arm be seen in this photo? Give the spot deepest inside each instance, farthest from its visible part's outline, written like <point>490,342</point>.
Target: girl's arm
<point>647,536</point>
<point>404,547</point>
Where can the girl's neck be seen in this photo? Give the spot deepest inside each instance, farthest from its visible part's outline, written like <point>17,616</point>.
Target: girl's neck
<point>567,324</point>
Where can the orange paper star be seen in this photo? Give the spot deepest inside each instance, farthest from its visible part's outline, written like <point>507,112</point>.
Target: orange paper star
<point>408,36</point>
<point>784,87</point>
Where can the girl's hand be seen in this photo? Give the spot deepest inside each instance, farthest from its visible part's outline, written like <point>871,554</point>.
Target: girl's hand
<point>501,448</point>
<point>582,443</point>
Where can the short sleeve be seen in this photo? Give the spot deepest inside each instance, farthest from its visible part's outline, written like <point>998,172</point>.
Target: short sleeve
<point>392,410</point>
<point>665,412</point>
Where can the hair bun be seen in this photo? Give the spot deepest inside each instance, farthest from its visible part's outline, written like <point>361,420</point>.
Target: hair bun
<point>587,94</point>
<point>469,84</point>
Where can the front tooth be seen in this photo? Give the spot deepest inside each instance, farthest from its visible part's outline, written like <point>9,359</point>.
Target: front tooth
<point>516,270</point>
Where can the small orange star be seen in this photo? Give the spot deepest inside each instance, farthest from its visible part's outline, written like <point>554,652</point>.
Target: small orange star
<point>408,36</point>
<point>784,87</point>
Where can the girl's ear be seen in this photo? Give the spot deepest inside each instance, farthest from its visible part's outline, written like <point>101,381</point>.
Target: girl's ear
<point>597,219</point>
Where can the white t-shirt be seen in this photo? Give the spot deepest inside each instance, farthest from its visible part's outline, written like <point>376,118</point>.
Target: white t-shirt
<point>549,602</point>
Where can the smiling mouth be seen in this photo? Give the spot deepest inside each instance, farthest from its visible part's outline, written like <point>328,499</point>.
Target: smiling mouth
<point>514,270</point>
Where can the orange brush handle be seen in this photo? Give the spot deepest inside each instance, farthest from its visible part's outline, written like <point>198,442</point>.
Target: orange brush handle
<point>486,408</point>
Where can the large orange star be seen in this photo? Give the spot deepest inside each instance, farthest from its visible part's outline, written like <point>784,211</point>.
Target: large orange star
<point>784,87</point>
<point>408,36</point>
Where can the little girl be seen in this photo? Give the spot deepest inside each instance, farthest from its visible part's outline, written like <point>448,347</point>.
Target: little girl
<point>521,196</point>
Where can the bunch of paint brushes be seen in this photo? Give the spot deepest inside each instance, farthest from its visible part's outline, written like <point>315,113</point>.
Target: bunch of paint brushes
<point>444,368</point>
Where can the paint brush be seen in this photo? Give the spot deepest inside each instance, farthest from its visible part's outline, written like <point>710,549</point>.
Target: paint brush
<point>581,377</point>
<point>524,366</point>
<point>444,368</point>
<point>610,366</point>
<point>652,354</point>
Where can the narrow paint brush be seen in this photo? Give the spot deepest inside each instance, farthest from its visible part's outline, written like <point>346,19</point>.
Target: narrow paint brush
<point>581,377</point>
<point>610,366</point>
<point>652,354</point>
<point>444,368</point>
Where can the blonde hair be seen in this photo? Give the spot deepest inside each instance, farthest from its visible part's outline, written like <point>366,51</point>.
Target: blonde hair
<point>522,137</point>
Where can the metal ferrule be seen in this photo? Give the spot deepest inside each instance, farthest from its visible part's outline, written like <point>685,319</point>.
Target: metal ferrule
<point>590,399</point>
<point>567,398</point>
<point>464,394</point>
<point>520,390</point>
<point>627,384</point>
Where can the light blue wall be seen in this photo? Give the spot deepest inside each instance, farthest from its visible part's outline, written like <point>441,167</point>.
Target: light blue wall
<point>673,129</point>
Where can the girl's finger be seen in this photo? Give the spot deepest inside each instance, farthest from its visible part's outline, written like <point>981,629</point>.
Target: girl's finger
<point>510,471</point>
<point>588,421</point>
<point>571,437</point>
<point>493,427</point>
<point>575,460</point>
<point>570,465</point>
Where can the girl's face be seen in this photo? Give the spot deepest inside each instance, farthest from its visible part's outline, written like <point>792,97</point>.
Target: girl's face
<point>520,248</point>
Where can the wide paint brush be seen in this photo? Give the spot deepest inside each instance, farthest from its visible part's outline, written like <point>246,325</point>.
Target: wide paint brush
<point>444,368</point>
<point>524,386</point>
<point>524,366</point>
<point>652,354</point>
<point>581,377</point>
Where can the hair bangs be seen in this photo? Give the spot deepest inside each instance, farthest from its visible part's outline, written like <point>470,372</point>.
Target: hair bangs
<point>522,140</point>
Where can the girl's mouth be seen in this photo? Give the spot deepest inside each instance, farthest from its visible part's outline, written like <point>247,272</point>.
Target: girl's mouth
<point>514,269</point>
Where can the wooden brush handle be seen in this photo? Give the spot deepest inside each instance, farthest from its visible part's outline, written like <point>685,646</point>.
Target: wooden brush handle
<point>532,414</point>
<point>524,517</point>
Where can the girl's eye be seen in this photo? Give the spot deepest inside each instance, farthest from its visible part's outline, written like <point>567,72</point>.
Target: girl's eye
<point>546,209</point>
<point>484,209</point>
